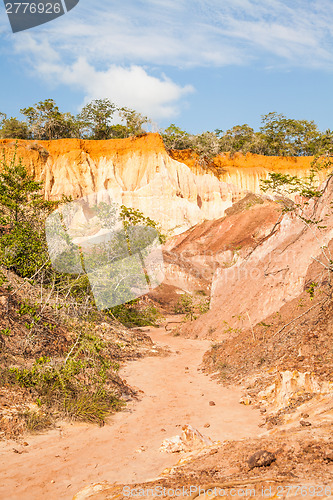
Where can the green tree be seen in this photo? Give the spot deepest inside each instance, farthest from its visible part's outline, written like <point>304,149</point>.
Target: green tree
<point>206,145</point>
<point>134,121</point>
<point>46,122</point>
<point>326,143</point>
<point>96,119</point>
<point>133,217</point>
<point>285,136</point>
<point>175,138</point>
<point>23,246</point>
<point>12,128</point>
<point>239,138</point>
<point>118,131</point>
<point>18,189</point>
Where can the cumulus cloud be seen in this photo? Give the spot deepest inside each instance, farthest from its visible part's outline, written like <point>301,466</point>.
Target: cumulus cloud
<point>107,50</point>
<point>126,86</point>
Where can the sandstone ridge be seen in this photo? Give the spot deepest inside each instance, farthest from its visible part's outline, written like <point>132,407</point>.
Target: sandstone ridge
<point>276,272</point>
<point>137,172</point>
<point>174,189</point>
<point>244,171</point>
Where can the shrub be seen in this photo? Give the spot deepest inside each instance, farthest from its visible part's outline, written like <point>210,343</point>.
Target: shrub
<point>132,315</point>
<point>191,306</point>
<point>78,387</point>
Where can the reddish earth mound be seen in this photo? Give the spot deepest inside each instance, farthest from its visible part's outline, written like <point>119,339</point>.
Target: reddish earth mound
<point>245,224</point>
<point>273,274</point>
<point>192,257</point>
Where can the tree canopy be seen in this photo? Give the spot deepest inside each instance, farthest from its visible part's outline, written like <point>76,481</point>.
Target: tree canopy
<point>46,122</point>
<point>278,136</point>
<point>102,119</point>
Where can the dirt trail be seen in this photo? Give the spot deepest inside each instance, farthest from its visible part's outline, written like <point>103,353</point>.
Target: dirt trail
<point>59,463</point>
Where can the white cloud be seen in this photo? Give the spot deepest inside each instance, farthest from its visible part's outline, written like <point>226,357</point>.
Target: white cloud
<point>36,51</point>
<point>300,35</point>
<point>110,49</point>
<point>194,32</point>
<point>132,86</point>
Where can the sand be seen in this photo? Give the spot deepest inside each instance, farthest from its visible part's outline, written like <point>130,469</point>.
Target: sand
<point>58,463</point>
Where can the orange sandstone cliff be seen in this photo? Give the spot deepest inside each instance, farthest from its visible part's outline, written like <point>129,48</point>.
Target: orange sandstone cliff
<point>244,172</point>
<point>173,189</point>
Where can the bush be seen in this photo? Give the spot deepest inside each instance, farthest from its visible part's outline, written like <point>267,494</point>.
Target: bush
<point>191,306</point>
<point>132,315</point>
<point>23,245</point>
<point>79,387</point>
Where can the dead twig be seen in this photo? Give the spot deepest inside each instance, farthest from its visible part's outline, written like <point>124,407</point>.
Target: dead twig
<point>298,317</point>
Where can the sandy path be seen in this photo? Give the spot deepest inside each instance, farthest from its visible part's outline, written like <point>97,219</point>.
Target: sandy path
<point>59,463</point>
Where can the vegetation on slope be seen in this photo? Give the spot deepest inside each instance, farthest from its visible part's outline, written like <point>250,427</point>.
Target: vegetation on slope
<point>59,356</point>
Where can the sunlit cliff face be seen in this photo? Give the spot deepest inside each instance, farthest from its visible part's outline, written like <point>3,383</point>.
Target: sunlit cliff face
<point>173,190</point>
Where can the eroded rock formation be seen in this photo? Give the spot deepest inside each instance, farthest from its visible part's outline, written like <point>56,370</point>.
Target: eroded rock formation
<point>192,258</point>
<point>137,172</point>
<point>275,272</point>
<point>175,190</point>
<point>244,172</point>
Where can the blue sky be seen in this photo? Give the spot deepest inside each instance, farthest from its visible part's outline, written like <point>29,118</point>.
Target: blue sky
<point>202,64</point>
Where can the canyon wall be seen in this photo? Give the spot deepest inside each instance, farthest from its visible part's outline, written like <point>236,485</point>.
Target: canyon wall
<point>277,271</point>
<point>137,172</point>
<point>175,190</point>
<point>192,258</point>
<point>245,171</point>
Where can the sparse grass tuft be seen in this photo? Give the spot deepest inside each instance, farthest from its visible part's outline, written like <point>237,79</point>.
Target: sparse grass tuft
<point>95,408</point>
<point>79,387</point>
<point>36,421</point>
